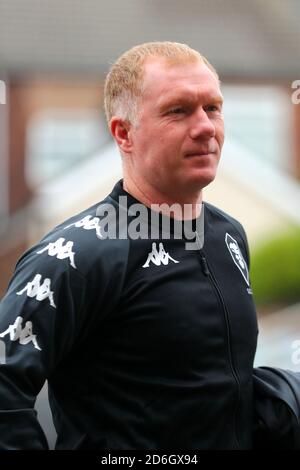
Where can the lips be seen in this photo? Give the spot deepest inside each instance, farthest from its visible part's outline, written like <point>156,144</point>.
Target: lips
<point>198,154</point>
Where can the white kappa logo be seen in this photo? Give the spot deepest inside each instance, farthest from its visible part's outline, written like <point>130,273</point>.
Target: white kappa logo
<point>237,256</point>
<point>158,257</point>
<point>40,291</point>
<point>60,250</point>
<point>88,223</point>
<point>24,335</point>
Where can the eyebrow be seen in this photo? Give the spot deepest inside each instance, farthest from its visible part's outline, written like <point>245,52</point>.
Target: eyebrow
<point>186,97</point>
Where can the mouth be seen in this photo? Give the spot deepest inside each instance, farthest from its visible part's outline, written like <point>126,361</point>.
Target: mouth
<point>198,154</point>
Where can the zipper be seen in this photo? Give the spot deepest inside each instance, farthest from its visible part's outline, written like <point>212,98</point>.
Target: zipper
<point>208,273</point>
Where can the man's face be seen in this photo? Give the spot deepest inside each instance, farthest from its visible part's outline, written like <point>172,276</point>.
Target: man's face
<point>177,142</point>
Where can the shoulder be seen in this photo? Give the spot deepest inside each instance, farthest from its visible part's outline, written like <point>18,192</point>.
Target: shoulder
<point>218,213</point>
<point>80,244</point>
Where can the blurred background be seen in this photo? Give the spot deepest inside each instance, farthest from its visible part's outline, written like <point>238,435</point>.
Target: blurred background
<point>57,158</point>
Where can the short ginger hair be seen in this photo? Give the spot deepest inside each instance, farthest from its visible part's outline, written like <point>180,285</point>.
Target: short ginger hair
<point>124,82</point>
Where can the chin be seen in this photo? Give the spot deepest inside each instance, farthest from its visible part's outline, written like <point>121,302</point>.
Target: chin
<point>201,180</point>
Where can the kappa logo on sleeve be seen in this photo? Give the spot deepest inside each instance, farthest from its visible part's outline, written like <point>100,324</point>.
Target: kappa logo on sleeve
<point>88,223</point>
<point>60,250</point>
<point>237,256</point>
<point>24,335</point>
<point>40,291</point>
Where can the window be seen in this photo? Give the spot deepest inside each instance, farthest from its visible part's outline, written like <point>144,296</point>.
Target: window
<point>59,139</point>
<point>259,118</point>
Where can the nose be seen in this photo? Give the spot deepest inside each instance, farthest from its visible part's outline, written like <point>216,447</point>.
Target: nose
<point>202,126</point>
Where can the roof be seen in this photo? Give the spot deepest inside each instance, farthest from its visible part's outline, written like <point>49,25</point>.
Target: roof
<point>257,39</point>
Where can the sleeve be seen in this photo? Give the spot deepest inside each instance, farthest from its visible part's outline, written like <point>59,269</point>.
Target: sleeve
<point>276,408</point>
<point>40,318</point>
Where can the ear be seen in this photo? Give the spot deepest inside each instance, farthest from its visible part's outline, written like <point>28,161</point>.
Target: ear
<point>121,132</point>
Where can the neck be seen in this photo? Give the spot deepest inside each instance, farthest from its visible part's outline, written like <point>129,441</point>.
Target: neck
<point>182,208</point>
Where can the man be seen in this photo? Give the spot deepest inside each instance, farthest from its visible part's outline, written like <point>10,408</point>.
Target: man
<point>146,342</point>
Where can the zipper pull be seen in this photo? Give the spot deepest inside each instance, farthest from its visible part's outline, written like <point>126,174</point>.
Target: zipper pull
<point>204,265</point>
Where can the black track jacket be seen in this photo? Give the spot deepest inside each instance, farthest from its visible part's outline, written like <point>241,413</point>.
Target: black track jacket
<point>145,344</point>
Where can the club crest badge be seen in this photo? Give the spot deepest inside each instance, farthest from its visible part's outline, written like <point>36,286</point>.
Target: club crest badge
<point>237,256</point>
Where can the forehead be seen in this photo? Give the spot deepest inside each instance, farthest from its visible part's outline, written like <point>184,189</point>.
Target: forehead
<point>162,79</point>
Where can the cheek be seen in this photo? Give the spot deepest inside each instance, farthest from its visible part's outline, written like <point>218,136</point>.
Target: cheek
<point>163,145</point>
<point>158,149</point>
<point>220,133</point>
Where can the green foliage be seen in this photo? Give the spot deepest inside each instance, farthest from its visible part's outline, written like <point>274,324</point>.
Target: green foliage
<point>275,269</point>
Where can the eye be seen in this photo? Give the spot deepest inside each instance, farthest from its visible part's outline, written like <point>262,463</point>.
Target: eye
<point>213,108</point>
<point>178,110</point>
